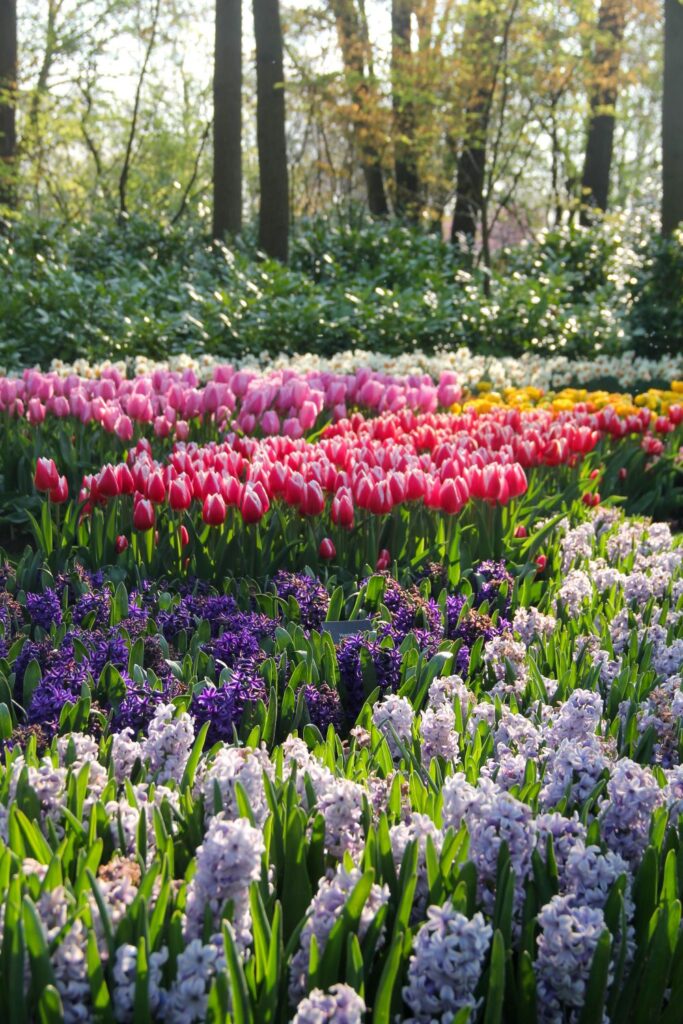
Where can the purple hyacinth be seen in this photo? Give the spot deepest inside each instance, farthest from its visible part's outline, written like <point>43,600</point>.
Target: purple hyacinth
<point>97,602</point>
<point>309,594</point>
<point>224,706</point>
<point>44,609</point>
<point>324,706</point>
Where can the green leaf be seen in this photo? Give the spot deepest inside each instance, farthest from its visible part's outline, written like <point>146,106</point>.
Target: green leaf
<point>496,987</point>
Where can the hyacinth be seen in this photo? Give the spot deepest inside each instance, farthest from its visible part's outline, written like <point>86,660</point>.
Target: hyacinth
<point>393,717</point>
<point>224,706</point>
<point>505,658</point>
<point>323,914</point>
<point>44,609</point>
<point>530,624</point>
<point>340,1005</point>
<point>340,801</point>
<point>228,861</point>
<point>633,794</point>
<point>231,765</point>
<point>419,829</point>
<point>196,967</point>
<point>168,743</point>
<point>324,706</point>
<point>492,817</point>
<point>573,770</point>
<point>438,735</point>
<point>566,946</point>
<point>566,834</point>
<point>386,664</point>
<point>448,689</point>
<point>589,874</point>
<point>577,718</point>
<point>445,966</point>
<point>125,973</point>
<point>309,594</point>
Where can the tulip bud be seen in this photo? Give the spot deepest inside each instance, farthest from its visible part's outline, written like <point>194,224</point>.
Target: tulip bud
<point>46,476</point>
<point>541,562</point>
<point>179,495</point>
<point>327,549</point>
<point>143,515</point>
<point>60,492</point>
<point>252,506</point>
<point>184,536</point>
<point>213,510</point>
<point>520,532</point>
<point>120,544</point>
<point>107,482</point>
<point>384,560</point>
<point>156,488</point>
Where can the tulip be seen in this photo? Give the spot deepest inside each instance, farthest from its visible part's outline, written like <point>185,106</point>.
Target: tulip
<point>252,507</point>
<point>520,532</point>
<point>156,489</point>
<point>541,562</point>
<point>327,550</point>
<point>184,536</point>
<point>143,515</point>
<point>384,560</point>
<point>214,510</point>
<point>124,428</point>
<point>312,499</point>
<point>120,544</point>
<point>60,492</point>
<point>179,494</point>
<point>108,482</point>
<point>342,509</point>
<point>124,479</point>
<point>46,475</point>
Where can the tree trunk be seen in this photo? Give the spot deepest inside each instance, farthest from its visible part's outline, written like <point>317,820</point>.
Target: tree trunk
<point>8,96</point>
<point>270,131</point>
<point>405,156</point>
<point>352,48</point>
<point>672,118</point>
<point>481,31</point>
<point>227,120</point>
<point>603,98</point>
<point>470,176</point>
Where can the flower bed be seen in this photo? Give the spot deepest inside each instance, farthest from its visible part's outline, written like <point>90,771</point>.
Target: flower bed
<point>377,723</point>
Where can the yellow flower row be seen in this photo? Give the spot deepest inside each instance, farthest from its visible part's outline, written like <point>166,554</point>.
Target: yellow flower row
<point>484,399</point>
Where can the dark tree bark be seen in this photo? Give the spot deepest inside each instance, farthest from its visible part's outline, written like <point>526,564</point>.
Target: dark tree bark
<point>470,172</point>
<point>672,118</point>
<point>270,131</point>
<point>227,123</point>
<point>352,46</point>
<point>405,156</point>
<point>480,33</point>
<point>603,98</point>
<point>8,94</point>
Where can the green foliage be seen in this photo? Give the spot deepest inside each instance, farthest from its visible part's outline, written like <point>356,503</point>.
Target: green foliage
<point>107,291</point>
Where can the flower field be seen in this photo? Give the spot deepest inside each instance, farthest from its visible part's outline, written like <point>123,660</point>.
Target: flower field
<point>346,692</point>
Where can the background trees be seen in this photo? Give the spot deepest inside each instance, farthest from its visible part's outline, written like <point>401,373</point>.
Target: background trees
<point>8,88</point>
<point>487,120</point>
<point>672,117</point>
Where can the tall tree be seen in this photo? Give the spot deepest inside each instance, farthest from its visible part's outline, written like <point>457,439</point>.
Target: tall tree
<point>354,47</point>
<point>604,82</point>
<point>672,118</point>
<point>485,45</point>
<point>8,95</point>
<point>227,119</point>
<point>270,131</point>
<point>403,103</point>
